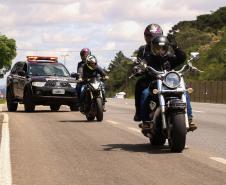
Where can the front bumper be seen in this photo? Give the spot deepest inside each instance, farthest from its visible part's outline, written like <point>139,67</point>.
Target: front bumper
<point>44,96</point>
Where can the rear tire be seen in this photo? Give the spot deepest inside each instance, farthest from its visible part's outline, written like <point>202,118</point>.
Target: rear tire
<point>178,132</point>
<point>11,105</point>
<point>54,108</point>
<point>99,107</point>
<point>28,105</point>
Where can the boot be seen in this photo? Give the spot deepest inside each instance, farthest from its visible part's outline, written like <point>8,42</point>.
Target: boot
<point>192,126</point>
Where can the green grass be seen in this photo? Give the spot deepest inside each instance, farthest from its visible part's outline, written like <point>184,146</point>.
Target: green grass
<point>2,101</point>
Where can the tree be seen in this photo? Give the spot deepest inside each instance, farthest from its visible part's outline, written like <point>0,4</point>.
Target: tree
<point>7,52</point>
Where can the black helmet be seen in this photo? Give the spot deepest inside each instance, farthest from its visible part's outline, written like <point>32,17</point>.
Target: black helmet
<point>151,31</point>
<point>91,62</point>
<point>160,46</point>
<point>84,53</point>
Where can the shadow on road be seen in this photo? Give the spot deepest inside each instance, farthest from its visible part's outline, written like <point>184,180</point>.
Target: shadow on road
<point>138,148</point>
<point>79,121</point>
<point>38,111</point>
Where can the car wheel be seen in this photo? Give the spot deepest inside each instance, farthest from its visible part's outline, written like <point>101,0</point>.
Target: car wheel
<point>28,105</point>
<point>11,104</point>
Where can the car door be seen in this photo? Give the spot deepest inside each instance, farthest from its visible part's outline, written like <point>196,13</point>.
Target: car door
<point>12,82</point>
<point>22,67</point>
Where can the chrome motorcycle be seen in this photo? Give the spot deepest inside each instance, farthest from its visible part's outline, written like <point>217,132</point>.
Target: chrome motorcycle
<point>168,106</point>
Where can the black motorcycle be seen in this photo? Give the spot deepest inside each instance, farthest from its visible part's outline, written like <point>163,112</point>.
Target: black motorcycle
<point>93,101</point>
<point>168,106</point>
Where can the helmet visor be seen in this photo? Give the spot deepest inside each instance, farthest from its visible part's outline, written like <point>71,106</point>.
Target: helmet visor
<point>160,50</point>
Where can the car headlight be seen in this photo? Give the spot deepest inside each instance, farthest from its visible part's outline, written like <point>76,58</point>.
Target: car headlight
<point>172,80</point>
<point>73,85</point>
<point>38,84</point>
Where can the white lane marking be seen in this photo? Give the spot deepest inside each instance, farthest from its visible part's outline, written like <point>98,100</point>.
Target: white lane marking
<point>134,129</point>
<point>198,111</point>
<point>5,163</point>
<point>219,159</point>
<point>113,122</point>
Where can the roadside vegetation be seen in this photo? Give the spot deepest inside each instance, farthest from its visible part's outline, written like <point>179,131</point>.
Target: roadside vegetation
<point>206,34</point>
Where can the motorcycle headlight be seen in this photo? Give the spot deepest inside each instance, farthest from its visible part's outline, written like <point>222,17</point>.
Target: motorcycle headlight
<point>172,80</point>
<point>38,84</point>
<point>73,85</point>
<point>95,85</point>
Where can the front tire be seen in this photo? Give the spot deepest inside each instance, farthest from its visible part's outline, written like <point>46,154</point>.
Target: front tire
<point>178,132</point>
<point>99,108</point>
<point>11,105</point>
<point>28,105</point>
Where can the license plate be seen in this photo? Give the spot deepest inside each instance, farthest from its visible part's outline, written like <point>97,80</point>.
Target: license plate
<point>58,91</point>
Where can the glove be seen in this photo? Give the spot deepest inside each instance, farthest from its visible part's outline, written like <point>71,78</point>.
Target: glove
<point>172,40</point>
<point>137,71</point>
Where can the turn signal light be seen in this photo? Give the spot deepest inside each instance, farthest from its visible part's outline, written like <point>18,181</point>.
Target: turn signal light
<point>155,91</point>
<point>190,90</point>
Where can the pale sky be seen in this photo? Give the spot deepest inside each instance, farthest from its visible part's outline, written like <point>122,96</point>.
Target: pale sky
<point>64,27</point>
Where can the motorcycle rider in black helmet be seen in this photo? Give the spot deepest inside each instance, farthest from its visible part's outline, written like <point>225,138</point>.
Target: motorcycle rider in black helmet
<point>156,56</point>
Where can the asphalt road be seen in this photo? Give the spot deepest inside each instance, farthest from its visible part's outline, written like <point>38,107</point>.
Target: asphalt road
<point>62,148</point>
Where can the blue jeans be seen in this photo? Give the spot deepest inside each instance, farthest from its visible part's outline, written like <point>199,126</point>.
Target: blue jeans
<point>144,105</point>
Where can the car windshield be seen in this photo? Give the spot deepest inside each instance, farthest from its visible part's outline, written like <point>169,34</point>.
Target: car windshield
<point>47,69</point>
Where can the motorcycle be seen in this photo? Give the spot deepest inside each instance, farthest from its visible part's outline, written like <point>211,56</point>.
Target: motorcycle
<point>93,105</point>
<point>168,105</point>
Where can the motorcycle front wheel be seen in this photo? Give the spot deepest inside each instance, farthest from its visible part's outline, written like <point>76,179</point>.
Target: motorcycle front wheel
<point>178,132</point>
<point>99,109</point>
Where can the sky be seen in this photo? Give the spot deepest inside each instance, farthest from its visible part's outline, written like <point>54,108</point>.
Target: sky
<point>63,27</point>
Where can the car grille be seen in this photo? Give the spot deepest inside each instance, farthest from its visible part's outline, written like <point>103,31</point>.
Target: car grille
<point>57,84</point>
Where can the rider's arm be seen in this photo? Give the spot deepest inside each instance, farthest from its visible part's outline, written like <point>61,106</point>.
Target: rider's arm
<point>179,58</point>
<point>100,71</point>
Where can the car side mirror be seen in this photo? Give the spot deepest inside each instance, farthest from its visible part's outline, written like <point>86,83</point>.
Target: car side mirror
<point>75,75</point>
<point>21,73</point>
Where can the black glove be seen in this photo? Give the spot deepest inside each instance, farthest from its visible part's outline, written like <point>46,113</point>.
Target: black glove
<point>172,40</point>
<point>137,71</point>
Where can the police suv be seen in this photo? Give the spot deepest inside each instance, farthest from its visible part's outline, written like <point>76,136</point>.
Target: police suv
<point>40,81</point>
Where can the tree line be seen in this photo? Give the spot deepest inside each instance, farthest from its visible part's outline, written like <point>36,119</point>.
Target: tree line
<point>206,34</point>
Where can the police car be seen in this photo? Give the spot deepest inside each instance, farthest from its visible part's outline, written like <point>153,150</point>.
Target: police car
<point>40,81</point>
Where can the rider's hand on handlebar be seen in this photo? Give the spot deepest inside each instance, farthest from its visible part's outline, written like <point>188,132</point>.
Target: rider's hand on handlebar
<point>80,80</point>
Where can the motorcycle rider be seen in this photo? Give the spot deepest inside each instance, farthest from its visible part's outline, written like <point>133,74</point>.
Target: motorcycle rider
<point>92,69</point>
<point>156,60</point>
<point>83,54</point>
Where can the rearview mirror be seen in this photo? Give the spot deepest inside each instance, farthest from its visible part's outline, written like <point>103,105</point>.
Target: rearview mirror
<point>195,55</point>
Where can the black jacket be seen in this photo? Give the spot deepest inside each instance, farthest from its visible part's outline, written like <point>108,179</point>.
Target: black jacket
<point>157,62</point>
<point>89,73</point>
<point>80,68</point>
